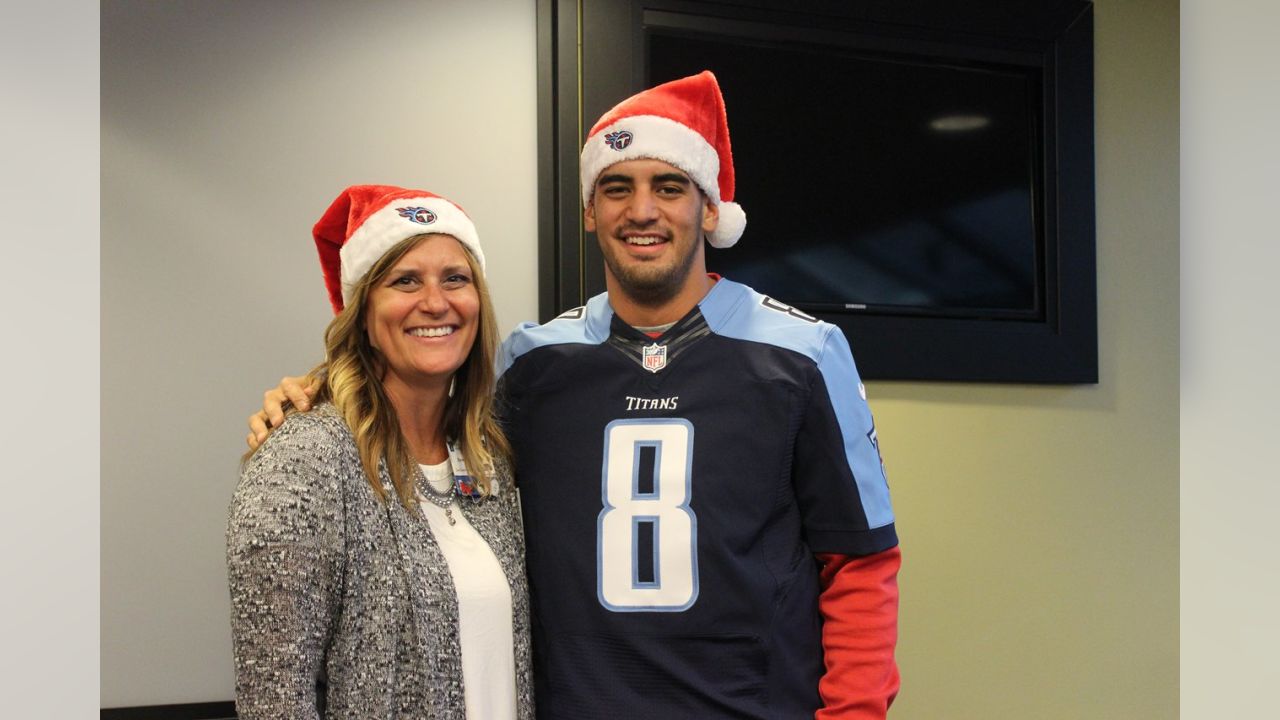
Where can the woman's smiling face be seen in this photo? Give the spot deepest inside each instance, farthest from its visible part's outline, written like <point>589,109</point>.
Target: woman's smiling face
<point>424,315</point>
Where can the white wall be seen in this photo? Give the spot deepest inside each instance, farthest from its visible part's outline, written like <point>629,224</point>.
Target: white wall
<point>227,128</point>
<point>1230,354</point>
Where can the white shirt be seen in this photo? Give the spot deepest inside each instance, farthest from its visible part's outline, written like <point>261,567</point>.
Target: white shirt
<point>484,606</point>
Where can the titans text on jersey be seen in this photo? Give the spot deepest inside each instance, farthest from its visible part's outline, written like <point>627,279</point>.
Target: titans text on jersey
<point>672,514</point>
<point>666,403</point>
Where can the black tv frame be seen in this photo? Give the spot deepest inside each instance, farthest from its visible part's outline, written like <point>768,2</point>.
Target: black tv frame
<point>592,54</point>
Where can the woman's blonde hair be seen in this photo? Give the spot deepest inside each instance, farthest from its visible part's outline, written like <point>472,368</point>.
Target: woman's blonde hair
<point>350,378</point>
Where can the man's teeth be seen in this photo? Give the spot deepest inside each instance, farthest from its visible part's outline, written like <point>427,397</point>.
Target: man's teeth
<point>644,240</point>
<point>432,332</point>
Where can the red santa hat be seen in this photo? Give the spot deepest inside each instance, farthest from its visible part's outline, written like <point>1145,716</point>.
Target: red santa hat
<point>365,221</point>
<point>681,122</point>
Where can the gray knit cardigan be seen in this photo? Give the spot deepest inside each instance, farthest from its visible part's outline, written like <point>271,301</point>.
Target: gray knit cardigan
<point>329,584</point>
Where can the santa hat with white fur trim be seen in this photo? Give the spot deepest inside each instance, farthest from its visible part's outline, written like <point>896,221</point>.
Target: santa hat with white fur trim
<point>681,122</point>
<point>365,221</point>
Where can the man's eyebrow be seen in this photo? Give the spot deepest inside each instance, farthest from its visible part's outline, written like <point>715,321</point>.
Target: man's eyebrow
<point>615,178</point>
<point>672,178</point>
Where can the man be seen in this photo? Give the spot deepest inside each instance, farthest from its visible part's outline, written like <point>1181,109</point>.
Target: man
<point>708,523</point>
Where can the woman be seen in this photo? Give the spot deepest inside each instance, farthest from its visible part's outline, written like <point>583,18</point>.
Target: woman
<point>374,548</point>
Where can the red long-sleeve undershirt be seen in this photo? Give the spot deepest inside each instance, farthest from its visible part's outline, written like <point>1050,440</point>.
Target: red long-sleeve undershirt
<point>859,605</point>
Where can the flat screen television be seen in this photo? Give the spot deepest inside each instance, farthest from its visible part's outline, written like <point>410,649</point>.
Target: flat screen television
<point>920,178</point>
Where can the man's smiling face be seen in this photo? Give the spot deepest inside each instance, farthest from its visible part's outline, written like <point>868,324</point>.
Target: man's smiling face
<point>649,218</point>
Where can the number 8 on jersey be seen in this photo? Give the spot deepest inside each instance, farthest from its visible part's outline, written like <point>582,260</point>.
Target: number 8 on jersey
<point>646,544</point>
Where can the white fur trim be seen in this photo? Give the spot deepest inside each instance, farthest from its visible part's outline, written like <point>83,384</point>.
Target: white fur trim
<point>658,138</point>
<point>733,220</point>
<point>383,229</point>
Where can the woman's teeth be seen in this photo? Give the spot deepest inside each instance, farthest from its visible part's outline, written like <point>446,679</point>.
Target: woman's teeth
<point>432,332</point>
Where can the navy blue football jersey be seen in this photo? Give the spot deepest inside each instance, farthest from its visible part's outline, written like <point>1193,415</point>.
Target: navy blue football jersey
<point>675,492</point>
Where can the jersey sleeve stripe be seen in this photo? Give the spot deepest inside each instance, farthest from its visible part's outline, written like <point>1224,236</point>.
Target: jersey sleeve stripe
<point>856,427</point>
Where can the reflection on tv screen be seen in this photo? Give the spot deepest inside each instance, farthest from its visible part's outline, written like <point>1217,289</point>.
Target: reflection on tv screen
<point>869,181</point>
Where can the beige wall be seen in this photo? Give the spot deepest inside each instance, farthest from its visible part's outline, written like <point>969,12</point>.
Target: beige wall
<point>1039,525</point>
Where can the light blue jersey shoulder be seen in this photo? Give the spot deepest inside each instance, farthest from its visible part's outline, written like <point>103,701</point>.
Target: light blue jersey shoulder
<point>585,325</point>
<point>736,311</point>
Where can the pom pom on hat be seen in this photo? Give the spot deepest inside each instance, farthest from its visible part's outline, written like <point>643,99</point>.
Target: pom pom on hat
<point>365,221</point>
<point>733,220</point>
<point>683,123</point>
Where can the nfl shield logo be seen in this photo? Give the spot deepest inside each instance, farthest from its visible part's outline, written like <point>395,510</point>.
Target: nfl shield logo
<point>655,357</point>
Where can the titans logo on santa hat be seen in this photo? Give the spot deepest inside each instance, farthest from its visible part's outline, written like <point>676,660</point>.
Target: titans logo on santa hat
<point>619,140</point>
<point>420,215</point>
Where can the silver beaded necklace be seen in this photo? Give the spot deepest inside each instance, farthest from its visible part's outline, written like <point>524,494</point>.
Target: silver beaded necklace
<point>442,499</point>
